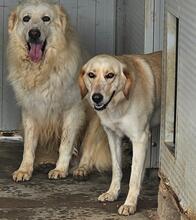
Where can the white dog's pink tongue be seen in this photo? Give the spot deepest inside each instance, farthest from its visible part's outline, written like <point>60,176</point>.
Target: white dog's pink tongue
<point>35,52</point>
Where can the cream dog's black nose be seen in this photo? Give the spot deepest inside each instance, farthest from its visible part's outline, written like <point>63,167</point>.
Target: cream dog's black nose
<point>97,98</point>
<point>34,34</point>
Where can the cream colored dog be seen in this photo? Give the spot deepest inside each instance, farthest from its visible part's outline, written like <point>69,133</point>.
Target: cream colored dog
<point>44,59</point>
<point>125,92</point>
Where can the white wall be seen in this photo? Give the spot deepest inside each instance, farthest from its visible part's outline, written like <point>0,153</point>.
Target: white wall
<point>139,26</point>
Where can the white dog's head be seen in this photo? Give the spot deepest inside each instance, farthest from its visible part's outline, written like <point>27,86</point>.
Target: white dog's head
<point>104,77</point>
<point>38,25</point>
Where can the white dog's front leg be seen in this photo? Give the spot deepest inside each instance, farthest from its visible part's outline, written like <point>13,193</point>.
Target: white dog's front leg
<point>115,149</point>
<point>72,124</point>
<point>137,172</point>
<point>25,170</point>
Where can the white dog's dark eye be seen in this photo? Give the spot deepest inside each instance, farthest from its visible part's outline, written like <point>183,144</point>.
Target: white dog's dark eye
<point>45,18</point>
<point>109,76</point>
<point>26,18</point>
<point>91,75</point>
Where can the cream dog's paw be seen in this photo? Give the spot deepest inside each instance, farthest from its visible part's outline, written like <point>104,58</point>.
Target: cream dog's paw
<point>57,174</point>
<point>81,173</point>
<point>127,210</point>
<point>108,197</point>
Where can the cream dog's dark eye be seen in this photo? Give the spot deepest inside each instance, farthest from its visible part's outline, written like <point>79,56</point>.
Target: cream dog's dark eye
<point>109,76</point>
<point>45,18</point>
<point>26,18</point>
<point>91,75</point>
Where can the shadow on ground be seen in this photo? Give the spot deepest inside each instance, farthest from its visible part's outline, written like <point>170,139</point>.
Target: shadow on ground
<point>46,199</point>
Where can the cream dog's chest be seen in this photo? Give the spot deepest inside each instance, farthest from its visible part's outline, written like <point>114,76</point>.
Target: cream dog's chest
<point>122,126</point>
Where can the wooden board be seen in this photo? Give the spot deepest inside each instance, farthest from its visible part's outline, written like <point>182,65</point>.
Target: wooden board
<point>10,111</point>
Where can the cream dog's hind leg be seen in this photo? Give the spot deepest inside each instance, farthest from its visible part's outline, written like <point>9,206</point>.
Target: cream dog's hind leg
<point>86,163</point>
<point>95,150</point>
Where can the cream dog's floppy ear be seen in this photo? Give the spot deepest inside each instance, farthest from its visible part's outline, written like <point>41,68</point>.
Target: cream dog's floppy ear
<point>83,89</point>
<point>128,83</point>
<point>12,21</point>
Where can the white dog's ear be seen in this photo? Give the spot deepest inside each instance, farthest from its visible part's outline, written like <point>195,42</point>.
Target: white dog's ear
<point>83,89</point>
<point>63,17</point>
<point>128,83</point>
<point>12,21</point>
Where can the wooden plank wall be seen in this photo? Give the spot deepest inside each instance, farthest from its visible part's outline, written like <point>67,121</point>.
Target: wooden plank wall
<point>134,26</point>
<point>95,21</point>
<point>179,167</point>
<point>1,61</point>
<point>10,113</point>
<point>105,26</point>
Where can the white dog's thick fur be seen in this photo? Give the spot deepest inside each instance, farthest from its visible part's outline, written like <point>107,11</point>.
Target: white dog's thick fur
<point>125,91</point>
<point>43,71</point>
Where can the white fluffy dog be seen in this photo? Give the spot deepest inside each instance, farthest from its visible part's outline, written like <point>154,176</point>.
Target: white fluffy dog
<point>44,59</point>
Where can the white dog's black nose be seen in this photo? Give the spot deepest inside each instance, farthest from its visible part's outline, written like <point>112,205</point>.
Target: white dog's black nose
<point>34,34</point>
<point>97,98</point>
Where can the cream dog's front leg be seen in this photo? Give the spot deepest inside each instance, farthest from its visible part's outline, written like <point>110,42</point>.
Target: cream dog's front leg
<point>115,149</point>
<point>25,170</point>
<point>137,171</point>
<point>72,124</point>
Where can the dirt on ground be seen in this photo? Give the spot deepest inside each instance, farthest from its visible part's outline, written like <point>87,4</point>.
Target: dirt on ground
<point>41,198</point>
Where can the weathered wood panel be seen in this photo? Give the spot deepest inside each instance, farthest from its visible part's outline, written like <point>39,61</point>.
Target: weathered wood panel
<point>86,24</point>
<point>71,7</point>
<point>105,26</point>
<point>149,26</point>
<point>10,111</point>
<point>134,26</point>
<point>180,168</point>
<point>158,24</point>
<point>1,61</point>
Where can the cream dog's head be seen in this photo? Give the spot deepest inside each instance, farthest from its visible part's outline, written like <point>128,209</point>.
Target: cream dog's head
<point>37,25</point>
<point>104,77</point>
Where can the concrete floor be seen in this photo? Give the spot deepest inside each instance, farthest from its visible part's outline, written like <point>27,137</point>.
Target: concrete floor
<point>64,199</point>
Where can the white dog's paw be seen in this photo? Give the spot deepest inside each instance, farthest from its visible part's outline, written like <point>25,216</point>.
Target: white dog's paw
<point>21,175</point>
<point>57,174</point>
<point>127,210</point>
<point>108,197</point>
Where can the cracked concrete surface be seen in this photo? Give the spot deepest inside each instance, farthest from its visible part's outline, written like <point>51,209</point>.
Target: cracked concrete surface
<point>42,198</point>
